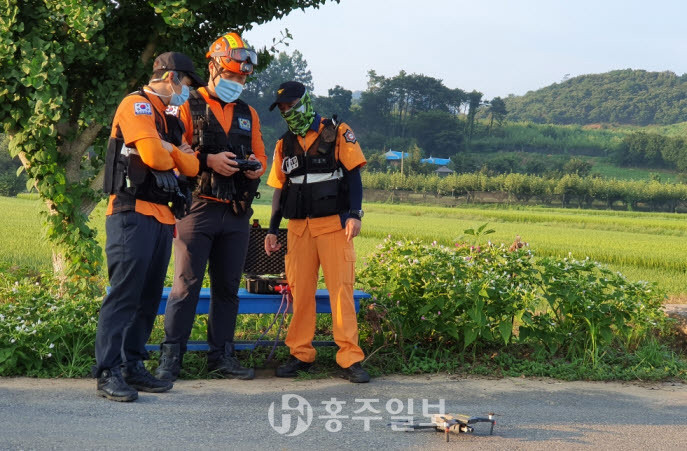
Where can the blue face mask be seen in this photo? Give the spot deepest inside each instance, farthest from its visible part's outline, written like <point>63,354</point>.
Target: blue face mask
<point>180,99</point>
<point>228,90</point>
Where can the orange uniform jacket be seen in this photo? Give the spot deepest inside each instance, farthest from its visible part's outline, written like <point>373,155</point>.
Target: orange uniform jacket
<point>136,120</point>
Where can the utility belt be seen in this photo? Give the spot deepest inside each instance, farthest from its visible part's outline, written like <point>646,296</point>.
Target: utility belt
<point>315,195</point>
<point>130,179</point>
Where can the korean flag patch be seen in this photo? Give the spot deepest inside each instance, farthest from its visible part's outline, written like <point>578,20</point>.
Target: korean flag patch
<point>143,108</point>
<point>172,111</point>
<point>244,124</point>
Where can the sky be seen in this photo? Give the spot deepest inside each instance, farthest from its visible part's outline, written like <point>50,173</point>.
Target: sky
<point>497,47</point>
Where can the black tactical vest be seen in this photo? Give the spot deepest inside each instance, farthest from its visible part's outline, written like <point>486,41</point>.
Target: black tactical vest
<point>314,186</point>
<point>210,138</point>
<point>128,176</point>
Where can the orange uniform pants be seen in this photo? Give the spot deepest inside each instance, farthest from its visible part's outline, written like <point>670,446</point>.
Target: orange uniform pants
<point>303,259</point>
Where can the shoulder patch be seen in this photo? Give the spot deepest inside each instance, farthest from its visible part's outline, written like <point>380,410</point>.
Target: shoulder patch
<point>244,124</point>
<point>143,108</point>
<point>349,136</point>
<point>172,110</point>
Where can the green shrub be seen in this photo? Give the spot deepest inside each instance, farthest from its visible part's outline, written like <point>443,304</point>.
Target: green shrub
<point>40,333</point>
<point>493,296</point>
<point>591,308</point>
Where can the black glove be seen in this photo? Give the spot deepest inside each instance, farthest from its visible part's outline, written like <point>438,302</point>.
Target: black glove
<point>181,204</point>
<point>223,187</point>
<point>165,180</point>
<point>183,198</point>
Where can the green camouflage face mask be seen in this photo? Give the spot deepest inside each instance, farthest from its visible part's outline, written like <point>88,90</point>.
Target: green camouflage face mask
<point>300,117</point>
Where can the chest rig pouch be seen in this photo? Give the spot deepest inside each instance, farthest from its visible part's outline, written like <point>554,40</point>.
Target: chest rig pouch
<point>127,176</point>
<point>210,138</point>
<point>315,186</point>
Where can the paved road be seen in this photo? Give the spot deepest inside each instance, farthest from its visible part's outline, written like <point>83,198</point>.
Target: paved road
<point>535,414</point>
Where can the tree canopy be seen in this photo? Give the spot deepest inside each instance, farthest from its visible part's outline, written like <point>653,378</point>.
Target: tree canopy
<point>64,67</point>
<point>635,97</point>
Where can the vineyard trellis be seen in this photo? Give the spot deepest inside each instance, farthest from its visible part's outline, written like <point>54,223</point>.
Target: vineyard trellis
<point>568,190</point>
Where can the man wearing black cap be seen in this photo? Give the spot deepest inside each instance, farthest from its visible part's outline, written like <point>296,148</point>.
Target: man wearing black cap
<point>145,147</point>
<point>316,176</point>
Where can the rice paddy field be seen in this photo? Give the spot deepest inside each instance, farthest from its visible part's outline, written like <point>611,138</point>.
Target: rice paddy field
<point>643,246</point>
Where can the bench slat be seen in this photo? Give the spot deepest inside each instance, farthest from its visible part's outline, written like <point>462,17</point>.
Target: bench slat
<point>240,345</point>
<point>261,303</point>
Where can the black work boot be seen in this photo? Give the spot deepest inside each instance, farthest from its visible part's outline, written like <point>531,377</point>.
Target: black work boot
<point>292,367</point>
<point>170,362</point>
<point>228,365</point>
<point>356,373</point>
<point>136,375</point>
<point>111,385</point>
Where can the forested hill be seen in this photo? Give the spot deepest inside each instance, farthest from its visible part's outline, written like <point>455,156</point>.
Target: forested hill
<point>628,96</point>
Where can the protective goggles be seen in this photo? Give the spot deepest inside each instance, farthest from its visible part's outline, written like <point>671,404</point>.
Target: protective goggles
<point>238,55</point>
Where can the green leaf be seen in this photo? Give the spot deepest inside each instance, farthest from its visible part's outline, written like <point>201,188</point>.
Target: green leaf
<point>470,335</point>
<point>607,333</point>
<point>505,329</point>
<point>6,353</point>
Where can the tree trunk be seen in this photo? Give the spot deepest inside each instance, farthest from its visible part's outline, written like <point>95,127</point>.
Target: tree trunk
<point>59,264</point>
<point>73,152</point>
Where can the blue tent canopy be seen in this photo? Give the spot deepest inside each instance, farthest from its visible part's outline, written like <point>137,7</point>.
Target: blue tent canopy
<point>394,155</point>
<point>437,161</point>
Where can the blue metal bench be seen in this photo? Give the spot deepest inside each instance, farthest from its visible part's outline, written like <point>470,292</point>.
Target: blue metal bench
<point>254,303</point>
<point>258,263</point>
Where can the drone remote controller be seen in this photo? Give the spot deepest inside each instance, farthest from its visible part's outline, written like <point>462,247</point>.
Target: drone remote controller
<point>248,165</point>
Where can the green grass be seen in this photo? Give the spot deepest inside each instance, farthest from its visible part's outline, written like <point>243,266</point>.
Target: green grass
<point>643,246</point>
<point>606,169</point>
<point>22,239</point>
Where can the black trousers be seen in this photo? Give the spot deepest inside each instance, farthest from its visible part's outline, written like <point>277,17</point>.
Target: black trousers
<point>209,235</point>
<point>138,248</point>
